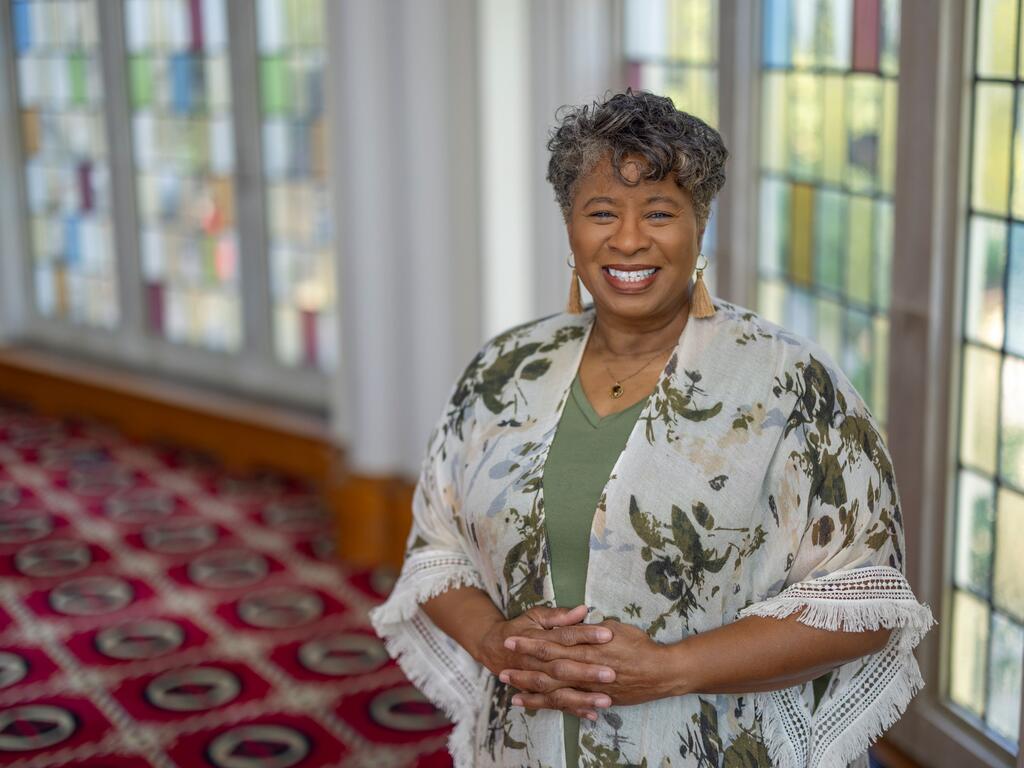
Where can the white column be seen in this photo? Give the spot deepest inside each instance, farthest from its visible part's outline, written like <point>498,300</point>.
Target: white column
<point>739,79</point>
<point>404,160</point>
<point>14,255</point>
<point>250,192</point>
<point>506,163</point>
<point>441,240</point>
<point>131,336</point>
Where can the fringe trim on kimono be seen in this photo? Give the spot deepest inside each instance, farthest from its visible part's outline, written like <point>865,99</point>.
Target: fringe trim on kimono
<point>842,729</point>
<point>432,661</point>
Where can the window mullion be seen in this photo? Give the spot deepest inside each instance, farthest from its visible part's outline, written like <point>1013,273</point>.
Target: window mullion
<point>15,275</point>
<point>257,325</point>
<point>738,78</point>
<point>131,329</point>
<point>1020,728</point>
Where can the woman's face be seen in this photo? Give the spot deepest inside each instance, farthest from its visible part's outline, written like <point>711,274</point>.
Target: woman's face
<point>635,247</point>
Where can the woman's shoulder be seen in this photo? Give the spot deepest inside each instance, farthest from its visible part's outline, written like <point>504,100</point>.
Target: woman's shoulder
<point>756,346</point>
<point>557,328</point>
<point>523,354</point>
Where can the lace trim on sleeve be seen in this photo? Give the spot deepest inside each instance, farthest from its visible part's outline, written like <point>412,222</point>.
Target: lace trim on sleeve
<point>433,662</point>
<point>879,691</point>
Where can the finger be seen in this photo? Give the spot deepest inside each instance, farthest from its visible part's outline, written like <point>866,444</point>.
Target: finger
<point>579,634</point>
<point>546,677</point>
<point>577,672</point>
<point>533,701</point>
<point>560,617</point>
<point>548,651</point>
<point>566,700</point>
<point>532,681</point>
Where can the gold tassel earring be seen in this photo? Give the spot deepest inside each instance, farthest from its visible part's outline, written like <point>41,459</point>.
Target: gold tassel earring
<point>701,305</point>
<point>575,303</point>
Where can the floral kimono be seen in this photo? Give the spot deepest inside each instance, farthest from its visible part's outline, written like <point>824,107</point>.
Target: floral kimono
<point>755,482</point>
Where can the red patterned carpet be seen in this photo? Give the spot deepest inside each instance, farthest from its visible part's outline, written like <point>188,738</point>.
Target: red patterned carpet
<point>157,611</point>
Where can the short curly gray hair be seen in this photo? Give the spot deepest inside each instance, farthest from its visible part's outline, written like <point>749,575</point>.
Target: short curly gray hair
<point>637,125</point>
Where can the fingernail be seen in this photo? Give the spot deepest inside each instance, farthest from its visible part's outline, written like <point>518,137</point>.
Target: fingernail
<point>603,703</point>
<point>604,634</point>
<point>503,677</point>
<point>517,701</point>
<point>510,644</point>
<point>606,675</point>
<point>592,716</point>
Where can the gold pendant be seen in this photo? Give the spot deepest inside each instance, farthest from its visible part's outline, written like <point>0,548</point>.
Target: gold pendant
<point>617,390</point>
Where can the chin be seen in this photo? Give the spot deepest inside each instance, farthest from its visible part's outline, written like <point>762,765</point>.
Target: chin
<point>632,307</point>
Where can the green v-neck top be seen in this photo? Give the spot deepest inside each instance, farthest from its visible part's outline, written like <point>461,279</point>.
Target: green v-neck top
<point>579,463</point>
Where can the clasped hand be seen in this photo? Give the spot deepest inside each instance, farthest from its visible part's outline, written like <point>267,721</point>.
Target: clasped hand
<point>556,662</point>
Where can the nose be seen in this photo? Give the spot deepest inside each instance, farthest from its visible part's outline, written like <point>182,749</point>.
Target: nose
<point>629,236</point>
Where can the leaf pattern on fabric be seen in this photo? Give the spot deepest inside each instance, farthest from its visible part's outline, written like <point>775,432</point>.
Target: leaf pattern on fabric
<point>755,473</point>
<point>839,438</point>
<point>678,560</point>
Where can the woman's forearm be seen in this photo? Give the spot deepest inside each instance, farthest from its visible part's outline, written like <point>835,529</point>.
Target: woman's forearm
<point>764,654</point>
<point>465,614</point>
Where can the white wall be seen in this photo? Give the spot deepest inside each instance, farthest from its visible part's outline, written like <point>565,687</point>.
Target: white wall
<point>404,149</point>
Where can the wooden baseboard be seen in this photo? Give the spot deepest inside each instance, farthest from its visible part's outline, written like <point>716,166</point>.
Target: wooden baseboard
<point>891,757</point>
<point>373,515</point>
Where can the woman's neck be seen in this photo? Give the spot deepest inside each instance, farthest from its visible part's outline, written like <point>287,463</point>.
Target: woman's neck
<point>626,337</point>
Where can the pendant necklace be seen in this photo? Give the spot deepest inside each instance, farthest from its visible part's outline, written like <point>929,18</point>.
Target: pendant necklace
<point>617,390</point>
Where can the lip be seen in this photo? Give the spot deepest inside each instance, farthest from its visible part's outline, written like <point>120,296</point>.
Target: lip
<point>622,286</point>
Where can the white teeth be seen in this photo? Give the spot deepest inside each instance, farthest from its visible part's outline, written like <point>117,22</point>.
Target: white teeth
<point>631,276</point>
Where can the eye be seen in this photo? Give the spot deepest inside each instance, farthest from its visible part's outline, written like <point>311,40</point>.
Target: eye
<point>601,214</point>
<point>659,215</point>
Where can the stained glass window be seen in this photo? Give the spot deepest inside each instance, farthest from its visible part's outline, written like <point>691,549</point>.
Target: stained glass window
<point>292,59</point>
<point>60,94</point>
<point>828,130</point>
<point>987,635</point>
<point>179,87</point>
<point>672,50</point>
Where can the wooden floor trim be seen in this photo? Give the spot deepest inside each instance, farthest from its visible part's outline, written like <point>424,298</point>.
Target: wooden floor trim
<point>373,514</point>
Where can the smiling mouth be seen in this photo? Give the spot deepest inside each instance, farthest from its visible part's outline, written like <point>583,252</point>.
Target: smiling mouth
<point>630,279</point>
<point>636,275</point>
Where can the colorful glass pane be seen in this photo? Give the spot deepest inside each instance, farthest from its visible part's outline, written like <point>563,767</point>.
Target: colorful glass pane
<point>979,408</point>
<point>986,265</point>
<point>993,136</point>
<point>179,88</point>
<point>997,31</point>
<point>1008,571</point>
<point>1015,292</point>
<point>682,31</point>
<point>1011,442</point>
<point>67,175</point>
<point>300,235</point>
<point>975,508</point>
<point>969,651</point>
<point>990,509</point>
<point>828,117</point>
<point>1003,706</point>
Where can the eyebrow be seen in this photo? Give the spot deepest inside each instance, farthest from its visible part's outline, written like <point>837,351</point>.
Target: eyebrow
<point>648,201</point>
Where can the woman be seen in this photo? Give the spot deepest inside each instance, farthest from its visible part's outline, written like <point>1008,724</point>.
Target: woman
<point>661,531</point>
